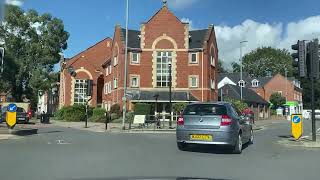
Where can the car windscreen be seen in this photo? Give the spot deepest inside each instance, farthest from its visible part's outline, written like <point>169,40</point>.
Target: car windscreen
<point>205,109</point>
<point>19,109</point>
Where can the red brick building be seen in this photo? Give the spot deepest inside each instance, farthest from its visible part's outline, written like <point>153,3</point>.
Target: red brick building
<point>161,41</point>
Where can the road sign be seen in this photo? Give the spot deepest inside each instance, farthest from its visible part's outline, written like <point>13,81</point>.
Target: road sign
<point>12,107</point>
<point>11,115</point>
<point>296,125</point>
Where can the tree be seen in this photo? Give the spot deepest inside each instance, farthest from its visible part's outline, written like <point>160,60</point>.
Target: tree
<point>240,105</point>
<point>277,99</point>
<point>32,43</point>
<point>178,107</point>
<point>221,67</point>
<point>265,60</point>
<point>235,67</point>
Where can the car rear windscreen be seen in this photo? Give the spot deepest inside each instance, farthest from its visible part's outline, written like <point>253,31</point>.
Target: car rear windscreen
<point>205,109</point>
<point>19,109</point>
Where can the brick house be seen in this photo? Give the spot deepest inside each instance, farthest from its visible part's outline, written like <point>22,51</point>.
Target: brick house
<point>265,86</point>
<point>76,70</point>
<point>161,41</point>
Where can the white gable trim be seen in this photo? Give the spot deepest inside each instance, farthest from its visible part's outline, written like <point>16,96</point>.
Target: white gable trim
<point>225,81</point>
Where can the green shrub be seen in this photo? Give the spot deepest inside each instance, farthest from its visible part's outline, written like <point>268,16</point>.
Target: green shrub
<point>129,117</point>
<point>240,105</point>
<point>75,113</point>
<point>115,109</point>
<point>59,114</point>
<point>142,109</point>
<point>178,107</point>
<point>114,116</point>
<point>273,112</point>
<point>98,115</point>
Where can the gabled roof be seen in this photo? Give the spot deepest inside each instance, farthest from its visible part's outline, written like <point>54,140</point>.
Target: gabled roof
<point>133,38</point>
<point>248,95</point>
<point>197,38</point>
<point>235,77</point>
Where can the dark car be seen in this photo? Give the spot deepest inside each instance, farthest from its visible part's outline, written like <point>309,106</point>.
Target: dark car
<point>22,115</point>
<point>3,114</point>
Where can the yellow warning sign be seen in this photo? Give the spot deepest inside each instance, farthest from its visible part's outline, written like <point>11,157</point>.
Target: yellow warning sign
<point>296,125</point>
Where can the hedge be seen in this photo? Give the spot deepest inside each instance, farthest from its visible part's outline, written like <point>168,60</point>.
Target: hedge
<point>71,113</point>
<point>98,115</point>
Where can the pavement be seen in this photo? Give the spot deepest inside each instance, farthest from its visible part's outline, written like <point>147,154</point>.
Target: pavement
<point>57,152</point>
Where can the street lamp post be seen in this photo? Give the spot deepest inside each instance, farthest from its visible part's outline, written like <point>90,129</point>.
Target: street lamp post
<point>1,57</point>
<point>241,78</point>
<point>170,95</point>
<point>124,99</point>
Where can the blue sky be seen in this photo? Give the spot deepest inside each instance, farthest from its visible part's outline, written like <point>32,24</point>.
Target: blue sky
<point>262,22</point>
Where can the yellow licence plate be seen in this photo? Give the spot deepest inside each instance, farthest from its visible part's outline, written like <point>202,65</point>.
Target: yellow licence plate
<point>203,137</point>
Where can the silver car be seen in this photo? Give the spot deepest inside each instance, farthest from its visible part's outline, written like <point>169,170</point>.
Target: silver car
<point>218,123</point>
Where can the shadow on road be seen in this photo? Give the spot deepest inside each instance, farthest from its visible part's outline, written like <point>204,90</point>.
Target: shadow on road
<point>49,132</point>
<point>24,132</point>
<point>212,149</point>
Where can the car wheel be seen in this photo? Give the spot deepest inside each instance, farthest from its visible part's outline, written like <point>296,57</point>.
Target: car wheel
<point>181,146</point>
<point>251,137</point>
<point>237,149</point>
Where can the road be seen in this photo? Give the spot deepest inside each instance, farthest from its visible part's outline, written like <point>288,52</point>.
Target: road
<point>65,153</point>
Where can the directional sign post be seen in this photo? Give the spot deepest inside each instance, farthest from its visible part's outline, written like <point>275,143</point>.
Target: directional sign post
<point>11,117</point>
<point>296,125</point>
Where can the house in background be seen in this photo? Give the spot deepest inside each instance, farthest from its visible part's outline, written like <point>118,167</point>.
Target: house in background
<point>265,86</point>
<point>258,105</point>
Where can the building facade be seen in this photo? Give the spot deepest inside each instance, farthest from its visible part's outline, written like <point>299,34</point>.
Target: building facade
<point>265,86</point>
<point>162,42</point>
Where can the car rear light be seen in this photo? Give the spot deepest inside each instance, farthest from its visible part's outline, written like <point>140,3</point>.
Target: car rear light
<point>29,114</point>
<point>180,121</point>
<point>225,120</point>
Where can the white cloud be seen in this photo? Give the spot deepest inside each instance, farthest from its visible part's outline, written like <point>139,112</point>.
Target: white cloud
<point>181,4</point>
<point>14,2</point>
<point>263,34</point>
<point>187,20</point>
<point>36,26</point>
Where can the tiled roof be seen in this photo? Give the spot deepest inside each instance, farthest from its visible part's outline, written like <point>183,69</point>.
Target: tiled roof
<point>196,39</point>
<point>235,77</point>
<point>248,95</point>
<point>164,96</point>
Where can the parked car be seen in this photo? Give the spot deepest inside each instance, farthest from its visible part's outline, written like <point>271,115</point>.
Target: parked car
<point>218,123</point>
<point>22,115</point>
<point>3,110</point>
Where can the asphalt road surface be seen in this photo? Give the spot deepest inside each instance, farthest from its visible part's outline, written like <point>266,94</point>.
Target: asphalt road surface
<point>64,153</point>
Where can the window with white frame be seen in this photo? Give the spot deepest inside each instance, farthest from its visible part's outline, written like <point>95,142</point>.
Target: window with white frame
<point>254,83</point>
<point>107,70</point>
<point>241,83</point>
<point>213,84</point>
<point>115,60</point>
<point>109,87</point>
<point>80,90</point>
<point>115,83</point>
<point>193,58</point>
<point>212,61</point>
<point>134,81</point>
<point>193,81</point>
<point>279,92</point>
<point>163,61</point>
<point>135,58</point>
<point>106,88</point>
<point>110,67</point>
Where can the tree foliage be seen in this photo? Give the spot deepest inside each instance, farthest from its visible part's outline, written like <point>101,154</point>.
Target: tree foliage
<point>178,107</point>
<point>237,103</point>
<point>277,99</point>
<point>235,67</point>
<point>32,45</point>
<point>262,61</point>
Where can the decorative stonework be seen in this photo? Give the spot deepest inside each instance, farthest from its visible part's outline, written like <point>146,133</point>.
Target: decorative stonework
<point>142,38</point>
<point>164,36</point>
<point>186,36</point>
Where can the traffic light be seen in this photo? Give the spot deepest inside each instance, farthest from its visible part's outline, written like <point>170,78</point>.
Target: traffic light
<point>314,59</point>
<point>299,58</point>
<point>89,87</point>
